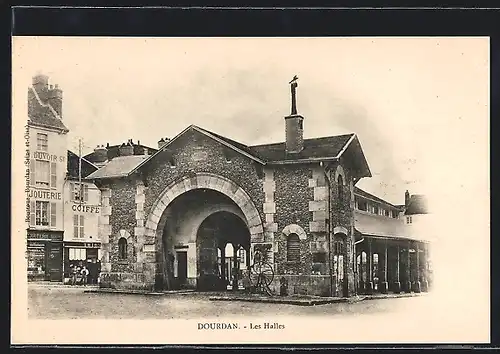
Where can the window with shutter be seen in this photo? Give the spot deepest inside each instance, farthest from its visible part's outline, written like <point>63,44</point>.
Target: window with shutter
<point>53,213</point>
<point>71,192</point>
<point>86,193</point>
<point>33,213</point>
<point>81,227</point>
<point>53,175</point>
<point>75,226</point>
<point>33,172</point>
<point>293,248</point>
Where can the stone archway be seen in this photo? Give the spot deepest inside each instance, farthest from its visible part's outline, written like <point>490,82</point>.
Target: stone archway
<point>208,181</point>
<point>150,245</point>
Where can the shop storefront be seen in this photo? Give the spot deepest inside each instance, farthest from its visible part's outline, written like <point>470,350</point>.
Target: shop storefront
<point>44,255</point>
<point>79,254</point>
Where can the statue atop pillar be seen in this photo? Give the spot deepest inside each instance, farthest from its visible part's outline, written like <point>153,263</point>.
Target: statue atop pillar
<point>293,86</point>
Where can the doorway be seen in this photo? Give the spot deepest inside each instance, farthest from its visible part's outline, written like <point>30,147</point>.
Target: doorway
<point>182,268</point>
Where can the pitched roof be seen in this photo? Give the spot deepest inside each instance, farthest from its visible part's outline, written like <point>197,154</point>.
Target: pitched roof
<point>417,205</point>
<point>314,149</point>
<point>365,194</point>
<point>73,166</point>
<point>114,151</point>
<point>120,166</point>
<point>326,147</point>
<point>42,114</point>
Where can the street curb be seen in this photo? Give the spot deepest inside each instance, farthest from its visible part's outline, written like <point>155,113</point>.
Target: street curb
<point>313,302</point>
<point>138,292</point>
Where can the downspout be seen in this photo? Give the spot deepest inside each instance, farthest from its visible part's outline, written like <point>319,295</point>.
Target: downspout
<point>356,263</point>
<point>328,228</point>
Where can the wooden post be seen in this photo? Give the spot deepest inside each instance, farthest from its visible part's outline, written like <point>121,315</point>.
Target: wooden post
<point>235,267</point>
<point>384,286</point>
<point>416,285</point>
<point>361,272</point>
<point>369,284</point>
<point>408,269</point>
<point>223,265</point>
<point>397,283</point>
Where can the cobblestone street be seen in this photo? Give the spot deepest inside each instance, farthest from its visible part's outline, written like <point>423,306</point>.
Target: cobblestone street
<point>64,302</point>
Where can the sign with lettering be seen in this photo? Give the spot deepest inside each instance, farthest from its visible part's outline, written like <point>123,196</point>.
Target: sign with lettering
<point>83,244</point>
<point>45,194</point>
<point>93,209</point>
<point>40,155</point>
<point>44,235</point>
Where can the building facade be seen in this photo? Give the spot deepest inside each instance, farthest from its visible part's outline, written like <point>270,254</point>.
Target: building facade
<point>47,170</point>
<point>81,244</point>
<point>167,218</point>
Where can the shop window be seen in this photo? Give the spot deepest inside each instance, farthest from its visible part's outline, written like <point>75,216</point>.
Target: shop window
<point>293,248</point>
<point>122,248</point>
<point>79,192</point>
<point>375,209</point>
<point>78,226</point>
<point>43,213</point>
<point>319,257</point>
<point>77,254</point>
<point>41,142</point>
<point>340,187</point>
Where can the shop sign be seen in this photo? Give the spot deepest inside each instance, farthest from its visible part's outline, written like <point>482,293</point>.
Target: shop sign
<point>83,244</point>
<point>40,155</point>
<point>43,235</point>
<point>93,209</point>
<point>36,245</point>
<point>38,194</point>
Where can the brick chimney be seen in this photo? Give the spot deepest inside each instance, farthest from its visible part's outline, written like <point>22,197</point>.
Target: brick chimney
<point>54,98</point>
<point>162,142</point>
<point>100,154</point>
<point>294,124</point>
<point>127,149</point>
<point>407,198</point>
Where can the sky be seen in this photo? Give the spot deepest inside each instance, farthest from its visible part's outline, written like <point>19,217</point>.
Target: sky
<point>414,103</point>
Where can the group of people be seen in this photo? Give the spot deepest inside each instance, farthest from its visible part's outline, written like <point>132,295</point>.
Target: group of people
<point>79,275</point>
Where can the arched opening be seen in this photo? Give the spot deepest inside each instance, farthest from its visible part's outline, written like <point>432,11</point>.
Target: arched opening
<point>122,248</point>
<point>223,243</point>
<point>293,248</point>
<point>203,234</point>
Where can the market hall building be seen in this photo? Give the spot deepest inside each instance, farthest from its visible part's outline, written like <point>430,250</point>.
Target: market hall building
<point>167,218</point>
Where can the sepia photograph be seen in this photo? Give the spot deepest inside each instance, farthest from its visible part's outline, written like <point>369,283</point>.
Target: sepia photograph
<point>250,190</point>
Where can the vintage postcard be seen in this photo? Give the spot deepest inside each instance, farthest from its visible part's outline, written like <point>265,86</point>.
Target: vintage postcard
<point>250,190</point>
